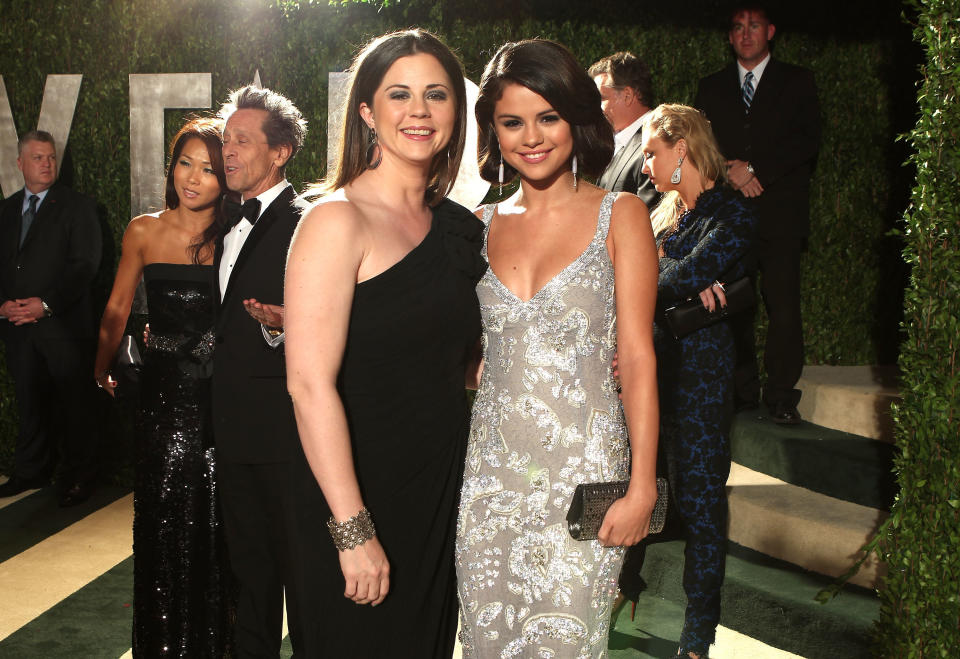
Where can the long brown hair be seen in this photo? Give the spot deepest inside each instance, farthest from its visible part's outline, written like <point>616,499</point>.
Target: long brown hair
<point>368,70</point>
<point>210,132</point>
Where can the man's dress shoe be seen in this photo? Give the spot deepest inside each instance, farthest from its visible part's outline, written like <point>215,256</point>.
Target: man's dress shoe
<point>16,485</point>
<point>786,414</point>
<point>75,493</point>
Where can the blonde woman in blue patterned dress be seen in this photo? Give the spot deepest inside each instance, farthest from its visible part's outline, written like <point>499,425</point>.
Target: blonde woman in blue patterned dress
<point>572,277</point>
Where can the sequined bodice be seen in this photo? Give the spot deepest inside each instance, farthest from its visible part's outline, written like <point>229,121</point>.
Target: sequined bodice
<point>541,356</point>
<point>179,297</point>
<point>546,417</point>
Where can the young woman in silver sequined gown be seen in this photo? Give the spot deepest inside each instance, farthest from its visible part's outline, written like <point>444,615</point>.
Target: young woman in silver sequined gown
<point>182,606</point>
<point>572,278</point>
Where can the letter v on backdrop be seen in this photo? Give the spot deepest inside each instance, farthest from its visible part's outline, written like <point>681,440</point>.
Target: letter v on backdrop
<point>56,116</point>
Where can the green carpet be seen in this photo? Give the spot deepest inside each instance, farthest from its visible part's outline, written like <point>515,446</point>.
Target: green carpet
<point>92,623</point>
<point>831,462</point>
<point>653,633</point>
<point>773,602</point>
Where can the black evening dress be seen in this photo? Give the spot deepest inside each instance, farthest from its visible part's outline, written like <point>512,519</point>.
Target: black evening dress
<point>402,384</point>
<point>182,604</point>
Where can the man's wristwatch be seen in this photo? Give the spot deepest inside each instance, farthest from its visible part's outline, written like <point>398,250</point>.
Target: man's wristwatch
<point>750,169</point>
<point>47,312</point>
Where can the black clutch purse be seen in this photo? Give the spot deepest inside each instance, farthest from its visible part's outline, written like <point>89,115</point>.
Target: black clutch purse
<point>592,500</point>
<point>689,316</point>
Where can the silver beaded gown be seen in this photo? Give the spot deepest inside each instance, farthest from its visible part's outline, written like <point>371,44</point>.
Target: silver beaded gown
<point>546,417</point>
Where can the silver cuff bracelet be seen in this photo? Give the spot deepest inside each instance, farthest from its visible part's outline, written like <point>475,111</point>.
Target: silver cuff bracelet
<point>352,532</point>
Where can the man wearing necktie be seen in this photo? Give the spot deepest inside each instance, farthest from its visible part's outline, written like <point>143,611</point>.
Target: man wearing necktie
<point>626,96</point>
<point>766,118</point>
<point>263,476</point>
<point>50,248</point>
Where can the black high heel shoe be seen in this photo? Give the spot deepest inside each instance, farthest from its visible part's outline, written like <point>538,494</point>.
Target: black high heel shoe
<point>620,602</point>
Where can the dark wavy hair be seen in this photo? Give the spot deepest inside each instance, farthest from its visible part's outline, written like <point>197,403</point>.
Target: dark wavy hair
<point>546,68</point>
<point>368,70</point>
<point>210,132</point>
<point>626,70</point>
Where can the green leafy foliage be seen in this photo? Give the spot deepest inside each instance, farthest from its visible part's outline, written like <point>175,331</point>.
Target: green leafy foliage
<point>294,44</point>
<point>920,600</point>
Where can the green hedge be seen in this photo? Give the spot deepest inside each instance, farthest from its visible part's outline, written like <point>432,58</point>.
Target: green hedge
<point>295,45</point>
<point>920,613</point>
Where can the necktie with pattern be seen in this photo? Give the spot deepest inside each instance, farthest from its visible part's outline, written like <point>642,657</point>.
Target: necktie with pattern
<point>747,91</point>
<point>28,217</point>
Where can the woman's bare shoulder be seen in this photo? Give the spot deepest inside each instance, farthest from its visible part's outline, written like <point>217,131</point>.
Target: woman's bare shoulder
<point>144,227</point>
<point>333,222</point>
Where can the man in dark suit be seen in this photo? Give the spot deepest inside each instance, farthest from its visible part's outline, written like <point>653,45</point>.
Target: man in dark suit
<point>626,96</point>
<point>260,463</point>
<point>766,118</point>
<point>50,248</point>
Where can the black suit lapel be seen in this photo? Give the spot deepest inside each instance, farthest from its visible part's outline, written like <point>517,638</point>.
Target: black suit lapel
<point>735,88</point>
<point>768,90</point>
<point>259,230</point>
<point>623,158</point>
<point>10,229</point>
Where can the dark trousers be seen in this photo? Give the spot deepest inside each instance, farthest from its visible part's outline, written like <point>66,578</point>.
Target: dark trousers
<point>265,511</point>
<point>53,381</point>
<point>778,262</point>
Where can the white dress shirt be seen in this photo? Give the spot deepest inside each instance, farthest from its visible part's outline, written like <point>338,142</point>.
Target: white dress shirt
<point>621,137</point>
<point>757,71</point>
<point>26,199</point>
<point>233,241</point>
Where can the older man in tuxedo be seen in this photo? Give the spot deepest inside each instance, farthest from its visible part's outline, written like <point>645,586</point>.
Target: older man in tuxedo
<point>766,119</point>
<point>264,481</point>
<point>626,96</point>
<point>50,248</point>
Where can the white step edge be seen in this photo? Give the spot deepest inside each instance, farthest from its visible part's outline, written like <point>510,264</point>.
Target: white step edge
<point>814,531</point>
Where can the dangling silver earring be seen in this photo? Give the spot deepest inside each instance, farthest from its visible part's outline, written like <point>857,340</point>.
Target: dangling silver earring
<point>374,145</point>
<point>574,168</point>
<point>500,171</point>
<point>675,177</point>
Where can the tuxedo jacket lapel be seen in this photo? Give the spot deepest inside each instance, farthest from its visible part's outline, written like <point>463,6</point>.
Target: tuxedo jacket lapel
<point>217,258</point>
<point>261,227</point>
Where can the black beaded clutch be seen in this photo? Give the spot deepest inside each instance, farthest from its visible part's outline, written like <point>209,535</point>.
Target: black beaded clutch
<point>592,500</point>
<point>691,315</point>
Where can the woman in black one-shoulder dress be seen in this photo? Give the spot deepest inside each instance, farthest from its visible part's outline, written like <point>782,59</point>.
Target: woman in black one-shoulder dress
<point>182,606</point>
<point>381,321</point>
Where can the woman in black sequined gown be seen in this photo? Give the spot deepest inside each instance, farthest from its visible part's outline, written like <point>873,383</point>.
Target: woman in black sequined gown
<point>182,604</point>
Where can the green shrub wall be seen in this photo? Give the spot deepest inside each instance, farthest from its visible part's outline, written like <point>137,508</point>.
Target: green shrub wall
<point>920,602</point>
<point>850,288</point>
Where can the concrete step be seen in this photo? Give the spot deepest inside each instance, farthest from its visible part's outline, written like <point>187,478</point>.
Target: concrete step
<point>853,399</point>
<point>811,530</point>
<point>831,462</point>
<point>772,602</point>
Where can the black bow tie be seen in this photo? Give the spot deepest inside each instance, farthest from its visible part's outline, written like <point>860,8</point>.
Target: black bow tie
<point>235,212</point>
